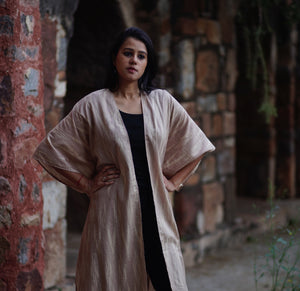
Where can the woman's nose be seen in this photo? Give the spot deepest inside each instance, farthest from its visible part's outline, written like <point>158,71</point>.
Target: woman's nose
<point>133,60</point>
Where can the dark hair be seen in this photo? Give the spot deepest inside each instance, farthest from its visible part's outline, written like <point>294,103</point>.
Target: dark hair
<point>145,83</point>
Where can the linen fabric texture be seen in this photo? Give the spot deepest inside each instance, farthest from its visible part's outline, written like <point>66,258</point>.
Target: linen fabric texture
<point>111,255</point>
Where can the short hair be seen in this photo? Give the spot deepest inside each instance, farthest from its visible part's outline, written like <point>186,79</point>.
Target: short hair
<point>145,83</point>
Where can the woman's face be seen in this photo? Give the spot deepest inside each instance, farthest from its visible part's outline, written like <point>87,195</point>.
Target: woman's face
<point>131,60</point>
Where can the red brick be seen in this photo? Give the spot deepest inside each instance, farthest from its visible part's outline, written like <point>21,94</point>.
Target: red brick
<point>186,26</point>
<point>217,125</point>
<point>210,28</point>
<point>207,71</point>
<point>231,102</point>
<point>206,124</point>
<point>221,101</point>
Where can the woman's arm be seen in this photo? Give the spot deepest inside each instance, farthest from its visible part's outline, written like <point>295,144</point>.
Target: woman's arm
<point>105,177</point>
<point>180,177</point>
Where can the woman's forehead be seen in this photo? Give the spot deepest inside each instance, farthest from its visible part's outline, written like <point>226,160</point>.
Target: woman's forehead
<point>135,44</point>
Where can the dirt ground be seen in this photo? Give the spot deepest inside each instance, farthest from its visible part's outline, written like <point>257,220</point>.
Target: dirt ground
<point>232,269</point>
<point>227,269</point>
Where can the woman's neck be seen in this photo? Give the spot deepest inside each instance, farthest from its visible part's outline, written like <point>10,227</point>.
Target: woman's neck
<point>128,91</point>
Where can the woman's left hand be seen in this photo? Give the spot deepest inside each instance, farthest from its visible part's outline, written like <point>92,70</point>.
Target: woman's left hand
<point>170,186</point>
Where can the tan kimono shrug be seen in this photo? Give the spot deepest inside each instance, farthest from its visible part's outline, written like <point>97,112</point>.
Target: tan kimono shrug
<point>111,255</point>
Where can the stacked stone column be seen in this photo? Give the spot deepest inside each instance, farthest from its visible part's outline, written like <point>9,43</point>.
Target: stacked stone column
<point>205,74</point>
<point>21,129</point>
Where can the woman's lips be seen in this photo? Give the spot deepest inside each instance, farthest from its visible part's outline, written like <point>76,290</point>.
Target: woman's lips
<point>131,70</point>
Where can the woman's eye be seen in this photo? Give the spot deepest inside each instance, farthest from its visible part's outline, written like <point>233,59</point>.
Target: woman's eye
<point>127,54</point>
<point>141,57</point>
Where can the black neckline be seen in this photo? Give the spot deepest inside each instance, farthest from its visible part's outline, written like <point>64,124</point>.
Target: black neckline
<point>133,114</point>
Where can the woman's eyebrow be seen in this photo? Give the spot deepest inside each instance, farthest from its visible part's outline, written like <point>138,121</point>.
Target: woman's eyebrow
<point>130,49</point>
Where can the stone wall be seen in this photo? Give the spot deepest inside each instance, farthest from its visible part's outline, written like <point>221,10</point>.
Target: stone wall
<point>203,79</point>
<point>21,128</point>
<point>57,28</point>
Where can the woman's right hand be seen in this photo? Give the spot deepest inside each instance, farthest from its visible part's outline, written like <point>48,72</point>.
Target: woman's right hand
<point>106,176</point>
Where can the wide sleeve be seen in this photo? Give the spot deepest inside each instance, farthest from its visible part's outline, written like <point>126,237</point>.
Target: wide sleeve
<point>186,141</point>
<point>67,147</point>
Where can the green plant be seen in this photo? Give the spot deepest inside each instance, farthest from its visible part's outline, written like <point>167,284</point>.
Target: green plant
<point>280,262</point>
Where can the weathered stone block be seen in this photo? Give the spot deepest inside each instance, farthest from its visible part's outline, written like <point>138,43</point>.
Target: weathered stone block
<point>23,128</point>
<point>5,187</point>
<point>54,196</point>
<point>23,250</point>
<point>6,96</point>
<point>55,254</point>
<point>229,123</point>
<point>207,71</point>
<point>5,218</point>
<point>208,168</point>
<point>21,53</point>
<point>229,142</point>
<point>186,74</point>
<point>30,220</point>
<point>226,161</point>
<point>29,281</point>
<point>6,25</point>
<point>207,103</point>
<point>22,188</point>
<point>27,22</point>
<point>35,194</point>
<point>32,79</point>
<point>4,246</point>
<point>213,196</point>
<point>211,28</point>
<point>3,150</point>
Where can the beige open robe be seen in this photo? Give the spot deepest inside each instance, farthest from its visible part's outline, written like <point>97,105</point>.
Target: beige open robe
<point>111,255</point>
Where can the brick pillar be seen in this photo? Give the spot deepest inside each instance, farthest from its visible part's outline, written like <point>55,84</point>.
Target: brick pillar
<point>21,128</point>
<point>285,123</point>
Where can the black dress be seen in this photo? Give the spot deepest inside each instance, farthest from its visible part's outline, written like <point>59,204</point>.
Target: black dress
<point>155,263</point>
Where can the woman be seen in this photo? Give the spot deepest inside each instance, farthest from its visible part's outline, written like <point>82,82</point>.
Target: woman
<point>125,147</point>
